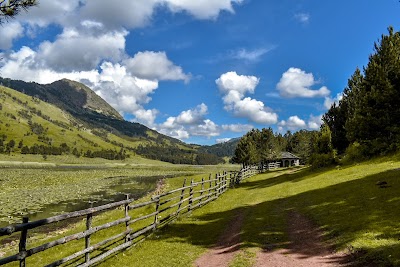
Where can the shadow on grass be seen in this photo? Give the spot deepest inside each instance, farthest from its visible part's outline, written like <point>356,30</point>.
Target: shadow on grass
<point>284,176</point>
<point>357,215</point>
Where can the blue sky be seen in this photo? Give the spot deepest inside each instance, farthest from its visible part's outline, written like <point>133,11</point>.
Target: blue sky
<point>202,71</point>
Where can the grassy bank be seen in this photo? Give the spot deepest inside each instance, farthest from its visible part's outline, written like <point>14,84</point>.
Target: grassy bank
<point>357,215</point>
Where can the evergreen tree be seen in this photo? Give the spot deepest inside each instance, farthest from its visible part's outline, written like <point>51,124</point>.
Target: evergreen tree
<point>322,153</point>
<point>11,8</point>
<point>369,112</point>
<point>246,151</point>
<point>302,143</point>
<point>375,112</point>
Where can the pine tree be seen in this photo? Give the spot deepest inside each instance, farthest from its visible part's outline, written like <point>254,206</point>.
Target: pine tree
<point>11,8</point>
<point>375,114</point>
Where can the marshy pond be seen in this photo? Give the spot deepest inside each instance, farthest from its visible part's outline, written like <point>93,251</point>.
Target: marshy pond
<point>39,193</point>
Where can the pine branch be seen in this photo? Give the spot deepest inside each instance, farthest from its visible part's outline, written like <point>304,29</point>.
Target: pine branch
<point>11,8</point>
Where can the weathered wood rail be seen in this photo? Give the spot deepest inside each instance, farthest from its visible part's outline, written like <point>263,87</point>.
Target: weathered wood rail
<point>272,165</point>
<point>137,222</point>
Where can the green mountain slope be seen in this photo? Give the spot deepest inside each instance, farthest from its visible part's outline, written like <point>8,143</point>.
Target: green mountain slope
<point>68,117</point>
<point>225,149</point>
<point>31,126</point>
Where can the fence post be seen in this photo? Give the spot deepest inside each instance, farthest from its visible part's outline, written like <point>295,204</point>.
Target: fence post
<point>216,185</point>
<point>128,235</point>
<point>190,196</point>
<point>225,181</point>
<point>202,189</point>
<point>156,213</point>
<point>89,219</point>
<point>182,195</point>
<point>209,188</point>
<point>220,184</point>
<point>22,243</point>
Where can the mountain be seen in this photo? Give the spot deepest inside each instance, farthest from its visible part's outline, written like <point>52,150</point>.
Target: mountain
<point>68,95</point>
<point>225,149</point>
<point>89,109</point>
<point>66,116</point>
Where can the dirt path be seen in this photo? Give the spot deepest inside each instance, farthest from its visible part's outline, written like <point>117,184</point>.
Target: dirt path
<point>306,248</point>
<point>228,245</point>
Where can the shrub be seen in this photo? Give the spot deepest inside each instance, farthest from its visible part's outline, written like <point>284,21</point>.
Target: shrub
<point>356,152</point>
<point>322,160</point>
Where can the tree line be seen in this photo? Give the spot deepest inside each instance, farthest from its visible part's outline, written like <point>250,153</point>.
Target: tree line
<point>176,155</point>
<point>265,146</point>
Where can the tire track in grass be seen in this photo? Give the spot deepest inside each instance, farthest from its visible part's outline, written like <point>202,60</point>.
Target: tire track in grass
<point>306,248</point>
<point>227,246</point>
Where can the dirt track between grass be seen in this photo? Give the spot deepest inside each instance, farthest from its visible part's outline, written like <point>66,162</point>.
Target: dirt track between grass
<point>228,245</point>
<point>306,247</point>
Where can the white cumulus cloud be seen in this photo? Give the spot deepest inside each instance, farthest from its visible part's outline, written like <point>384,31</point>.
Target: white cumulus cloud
<point>329,100</point>
<point>202,9</point>
<point>237,128</point>
<point>192,116</point>
<point>8,33</point>
<point>297,83</point>
<point>241,84</point>
<point>234,87</point>
<point>75,51</point>
<point>253,110</point>
<point>314,122</point>
<point>293,123</point>
<point>190,122</point>
<point>155,66</point>
<point>208,128</point>
<point>51,11</point>
<point>133,14</point>
<point>124,13</point>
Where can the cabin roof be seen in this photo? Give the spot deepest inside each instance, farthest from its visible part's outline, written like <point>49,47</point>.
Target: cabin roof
<point>288,155</point>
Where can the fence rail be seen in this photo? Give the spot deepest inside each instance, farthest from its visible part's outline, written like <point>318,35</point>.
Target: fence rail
<point>159,211</point>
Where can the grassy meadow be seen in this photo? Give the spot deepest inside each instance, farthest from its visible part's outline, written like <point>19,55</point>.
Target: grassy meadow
<point>356,215</point>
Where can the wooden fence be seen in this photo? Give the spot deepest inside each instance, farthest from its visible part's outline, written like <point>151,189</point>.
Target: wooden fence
<point>138,221</point>
<point>273,165</point>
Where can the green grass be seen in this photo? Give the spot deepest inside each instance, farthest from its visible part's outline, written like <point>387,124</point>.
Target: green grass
<point>46,234</point>
<point>354,212</point>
